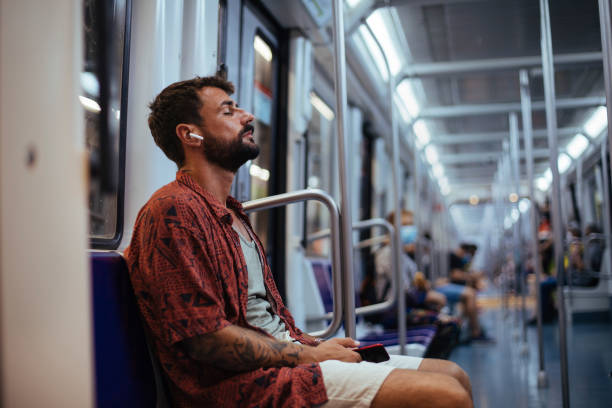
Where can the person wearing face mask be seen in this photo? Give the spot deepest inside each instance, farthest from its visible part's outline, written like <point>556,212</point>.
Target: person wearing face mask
<point>422,304</point>
<point>417,296</point>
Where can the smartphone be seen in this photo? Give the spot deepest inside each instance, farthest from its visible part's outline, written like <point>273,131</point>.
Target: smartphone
<point>374,353</point>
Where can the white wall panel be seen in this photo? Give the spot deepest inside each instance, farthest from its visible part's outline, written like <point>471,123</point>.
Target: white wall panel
<point>46,347</point>
<point>162,52</point>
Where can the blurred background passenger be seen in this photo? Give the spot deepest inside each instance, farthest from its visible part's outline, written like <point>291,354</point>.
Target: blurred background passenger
<point>419,293</point>
<point>459,288</point>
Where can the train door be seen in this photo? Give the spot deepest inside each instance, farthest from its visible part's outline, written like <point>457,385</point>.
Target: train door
<point>259,90</point>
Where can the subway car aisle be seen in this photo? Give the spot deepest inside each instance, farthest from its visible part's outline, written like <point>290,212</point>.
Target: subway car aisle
<point>503,378</point>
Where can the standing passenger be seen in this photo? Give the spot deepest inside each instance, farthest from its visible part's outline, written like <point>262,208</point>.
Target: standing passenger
<point>220,329</point>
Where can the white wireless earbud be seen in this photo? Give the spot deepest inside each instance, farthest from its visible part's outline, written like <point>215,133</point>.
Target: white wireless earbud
<point>196,136</point>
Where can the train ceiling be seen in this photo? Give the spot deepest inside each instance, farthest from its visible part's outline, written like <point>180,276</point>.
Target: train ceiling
<point>460,58</point>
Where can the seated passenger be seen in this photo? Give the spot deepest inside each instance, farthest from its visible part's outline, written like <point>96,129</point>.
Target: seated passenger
<point>456,289</point>
<point>418,295</point>
<point>586,261</point>
<point>548,283</point>
<point>578,272</point>
<point>574,262</point>
<point>204,287</point>
<point>422,304</point>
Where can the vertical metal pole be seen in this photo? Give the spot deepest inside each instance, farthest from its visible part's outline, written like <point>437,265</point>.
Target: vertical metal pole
<point>512,188</point>
<point>606,44</point>
<point>528,136</point>
<point>417,211</point>
<point>510,246</point>
<point>345,205</point>
<point>397,253</point>
<point>551,125</point>
<point>514,144</point>
<point>401,299</point>
<point>605,178</point>
<point>579,187</point>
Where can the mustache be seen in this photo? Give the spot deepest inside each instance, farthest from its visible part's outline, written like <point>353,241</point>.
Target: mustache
<point>247,128</point>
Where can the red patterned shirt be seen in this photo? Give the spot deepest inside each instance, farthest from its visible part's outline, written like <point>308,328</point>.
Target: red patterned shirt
<point>190,278</point>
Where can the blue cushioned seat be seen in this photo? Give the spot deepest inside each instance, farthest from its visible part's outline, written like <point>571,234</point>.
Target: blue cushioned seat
<point>422,335</point>
<point>123,368</point>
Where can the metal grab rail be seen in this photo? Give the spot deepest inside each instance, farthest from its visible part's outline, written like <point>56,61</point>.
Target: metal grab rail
<point>339,60</point>
<point>396,277</point>
<point>395,151</point>
<point>551,126</point>
<point>526,112</point>
<point>298,196</point>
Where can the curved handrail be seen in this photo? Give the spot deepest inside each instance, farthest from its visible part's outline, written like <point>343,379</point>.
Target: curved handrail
<point>284,199</point>
<point>396,278</point>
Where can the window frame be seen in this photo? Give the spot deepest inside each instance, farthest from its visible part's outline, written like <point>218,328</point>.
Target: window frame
<point>115,241</point>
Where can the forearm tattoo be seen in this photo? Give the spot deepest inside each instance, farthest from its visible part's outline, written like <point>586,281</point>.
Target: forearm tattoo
<point>239,349</point>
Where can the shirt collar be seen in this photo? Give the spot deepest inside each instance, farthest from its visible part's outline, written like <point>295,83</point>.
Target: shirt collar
<point>222,212</point>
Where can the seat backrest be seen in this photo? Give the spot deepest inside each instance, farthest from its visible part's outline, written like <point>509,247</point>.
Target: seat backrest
<point>322,272</point>
<point>593,255</point>
<point>123,367</point>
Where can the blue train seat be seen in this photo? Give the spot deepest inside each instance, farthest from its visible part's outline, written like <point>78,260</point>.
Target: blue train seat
<point>124,368</point>
<point>420,335</point>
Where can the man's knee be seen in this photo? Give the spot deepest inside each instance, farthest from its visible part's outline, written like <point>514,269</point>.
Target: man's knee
<point>440,298</point>
<point>422,389</point>
<point>453,394</point>
<point>459,397</point>
<point>460,375</point>
<point>468,293</point>
<point>449,368</point>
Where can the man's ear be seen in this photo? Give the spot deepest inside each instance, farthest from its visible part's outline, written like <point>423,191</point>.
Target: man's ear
<point>183,132</point>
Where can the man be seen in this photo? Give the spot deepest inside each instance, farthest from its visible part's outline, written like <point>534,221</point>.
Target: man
<point>220,329</point>
<point>457,288</point>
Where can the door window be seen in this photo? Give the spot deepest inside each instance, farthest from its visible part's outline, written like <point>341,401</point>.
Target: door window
<point>264,64</point>
<point>320,171</point>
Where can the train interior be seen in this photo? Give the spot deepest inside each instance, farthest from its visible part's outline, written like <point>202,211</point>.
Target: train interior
<point>482,122</point>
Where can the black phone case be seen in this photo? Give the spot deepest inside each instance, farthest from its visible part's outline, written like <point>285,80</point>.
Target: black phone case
<point>373,354</point>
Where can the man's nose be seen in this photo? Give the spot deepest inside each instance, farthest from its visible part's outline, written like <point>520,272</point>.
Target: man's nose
<point>247,117</point>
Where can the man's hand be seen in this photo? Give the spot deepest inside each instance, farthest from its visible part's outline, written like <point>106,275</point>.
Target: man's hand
<point>337,349</point>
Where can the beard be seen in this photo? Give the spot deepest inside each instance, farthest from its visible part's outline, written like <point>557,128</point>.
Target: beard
<point>232,154</point>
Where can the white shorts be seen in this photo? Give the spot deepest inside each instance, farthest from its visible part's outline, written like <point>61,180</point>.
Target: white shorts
<point>356,384</point>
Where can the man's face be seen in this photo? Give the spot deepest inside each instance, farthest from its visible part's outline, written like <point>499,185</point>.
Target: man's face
<point>407,219</point>
<point>227,130</point>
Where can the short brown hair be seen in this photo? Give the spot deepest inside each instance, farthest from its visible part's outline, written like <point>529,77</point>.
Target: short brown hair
<point>180,103</point>
<point>405,213</point>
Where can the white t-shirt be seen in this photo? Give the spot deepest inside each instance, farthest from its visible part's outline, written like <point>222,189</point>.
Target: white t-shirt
<point>259,311</point>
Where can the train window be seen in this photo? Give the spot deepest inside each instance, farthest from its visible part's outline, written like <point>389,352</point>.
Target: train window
<point>320,171</point>
<point>263,108</point>
<point>105,210</point>
<point>222,33</point>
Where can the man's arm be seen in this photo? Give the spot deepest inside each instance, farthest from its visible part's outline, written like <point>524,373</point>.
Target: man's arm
<point>460,275</point>
<point>311,338</point>
<point>237,348</point>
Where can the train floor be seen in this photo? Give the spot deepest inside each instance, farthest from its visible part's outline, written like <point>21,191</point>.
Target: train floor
<point>503,377</point>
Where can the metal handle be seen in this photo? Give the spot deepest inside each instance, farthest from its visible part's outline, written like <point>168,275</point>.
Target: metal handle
<point>396,277</point>
<point>298,196</point>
